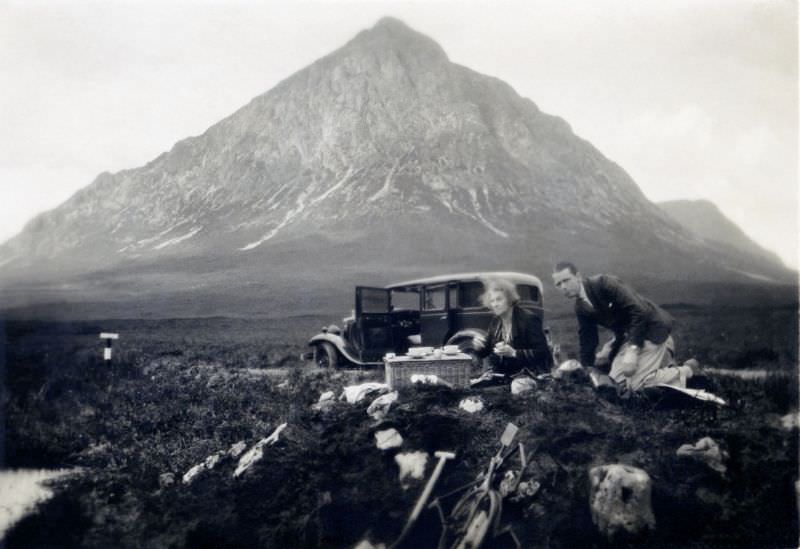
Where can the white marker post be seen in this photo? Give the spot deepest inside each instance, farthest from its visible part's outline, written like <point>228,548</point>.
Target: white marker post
<point>107,351</point>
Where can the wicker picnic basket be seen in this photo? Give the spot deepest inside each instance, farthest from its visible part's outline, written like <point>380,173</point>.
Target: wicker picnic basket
<point>455,371</point>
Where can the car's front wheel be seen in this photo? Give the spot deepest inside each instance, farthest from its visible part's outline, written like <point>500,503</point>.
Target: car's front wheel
<point>326,355</point>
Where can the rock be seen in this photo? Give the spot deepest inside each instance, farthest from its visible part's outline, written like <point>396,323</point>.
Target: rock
<point>356,393</point>
<point>708,451</point>
<point>191,475</point>
<point>471,405</point>
<point>381,405</point>
<point>166,480</point>
<point>214,459</point>
<point>256,453</point>
<point>790,421</point>
<point>412,464</point>
<point>620,500</point>
<point>236,450</point>
<point>388,438</point>
<point>523,385</point>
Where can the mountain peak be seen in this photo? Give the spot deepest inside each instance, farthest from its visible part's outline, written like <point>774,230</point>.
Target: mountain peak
<point>392,34</point>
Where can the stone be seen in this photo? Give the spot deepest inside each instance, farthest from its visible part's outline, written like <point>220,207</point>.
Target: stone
<point>256,453</point>
<point>523,385</point>
<point>412,464</point>
<point>708,451</point>
<point>166,480</point>
<point>471,405</point>
<point>380,406</point>
<point>236,449</point>
<point>387,439</point>
<point>620,501</point>
<point>191,475</point>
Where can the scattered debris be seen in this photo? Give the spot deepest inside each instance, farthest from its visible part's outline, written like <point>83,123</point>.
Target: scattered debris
<point>430,379</point>
<point>356,393</point>
<point>388,438</point>
<point>523,385</point>
<point>471,404</point>
<point>236,450</point>
<point>708,451</point>
<point>620,500</point>
<point>326,402</point>
<point>254,454</point>
<point>381,405</point>
<point>192,474</point>
<point>791,421</point>
<point>412,464</point>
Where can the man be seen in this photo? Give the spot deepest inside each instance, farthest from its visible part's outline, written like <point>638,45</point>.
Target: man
<point>641,352</point>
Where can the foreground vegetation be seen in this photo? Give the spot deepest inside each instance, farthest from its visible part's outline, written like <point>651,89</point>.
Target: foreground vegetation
<point>179,391</point>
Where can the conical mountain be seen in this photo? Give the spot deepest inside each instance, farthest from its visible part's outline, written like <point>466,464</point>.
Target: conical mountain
<point>383,158</point>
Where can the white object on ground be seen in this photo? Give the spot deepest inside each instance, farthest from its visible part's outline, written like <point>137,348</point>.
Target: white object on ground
<point>567,367</point>
<point>791,421</point>
<point>620,500</point>
<point>381,405</point>
<point>356,393</point>
<point>699,394</point>
<point>254,454</point>
<point>193,473</point>
<point>236,450</point>
<point>325,402</point>
<point>388,438</point>
<point>429,379</point>
<point>523,384</point>
<point>471,404</point>
<point>412,464</point>
<point>708,451</point>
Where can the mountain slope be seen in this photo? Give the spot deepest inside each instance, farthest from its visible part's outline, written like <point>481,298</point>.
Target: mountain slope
<point>380,157</point>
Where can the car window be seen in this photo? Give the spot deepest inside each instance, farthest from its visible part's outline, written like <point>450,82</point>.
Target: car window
<point>433,298</point>
<point>374,301</point>
<point>405,300</point>
<point>469,294</point>
<point>528,293</point>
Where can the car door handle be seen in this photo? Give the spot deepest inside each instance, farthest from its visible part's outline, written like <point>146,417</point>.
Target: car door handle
<point>443,317</point>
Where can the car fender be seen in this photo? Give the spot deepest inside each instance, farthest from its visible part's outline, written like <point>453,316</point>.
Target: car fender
<point>466,336</point>
<point>340,344</point>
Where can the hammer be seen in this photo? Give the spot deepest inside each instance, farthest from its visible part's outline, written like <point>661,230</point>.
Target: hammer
<point>426,493</point>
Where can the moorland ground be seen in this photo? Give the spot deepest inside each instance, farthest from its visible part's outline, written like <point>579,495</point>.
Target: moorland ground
<point>180,390</point>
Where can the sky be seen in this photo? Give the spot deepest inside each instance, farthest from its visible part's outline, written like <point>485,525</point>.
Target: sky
<point>695,99</point>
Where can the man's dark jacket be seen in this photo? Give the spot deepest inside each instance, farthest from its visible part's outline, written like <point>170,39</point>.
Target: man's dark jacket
<point>527,338</point>
<point>622,310</point>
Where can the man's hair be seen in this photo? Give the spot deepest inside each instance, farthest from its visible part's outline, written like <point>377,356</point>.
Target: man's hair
<point>499,285</point>
<point>561,265</point>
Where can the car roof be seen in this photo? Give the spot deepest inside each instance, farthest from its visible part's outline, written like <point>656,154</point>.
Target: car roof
<point>516,278</point>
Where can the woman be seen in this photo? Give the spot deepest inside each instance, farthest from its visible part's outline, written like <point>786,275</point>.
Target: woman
<point>515,339</point>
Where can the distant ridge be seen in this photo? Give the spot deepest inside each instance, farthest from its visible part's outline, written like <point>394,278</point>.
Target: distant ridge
<point>703,218</point>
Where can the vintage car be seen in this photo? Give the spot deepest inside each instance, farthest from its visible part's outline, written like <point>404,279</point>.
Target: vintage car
<point>434,311</point>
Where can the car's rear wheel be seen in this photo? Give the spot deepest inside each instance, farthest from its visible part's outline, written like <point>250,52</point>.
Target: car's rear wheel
<point>326,355</point>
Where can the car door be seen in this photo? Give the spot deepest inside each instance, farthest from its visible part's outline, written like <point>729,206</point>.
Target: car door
<point>373,330</point>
